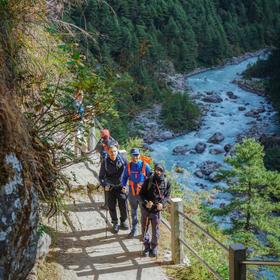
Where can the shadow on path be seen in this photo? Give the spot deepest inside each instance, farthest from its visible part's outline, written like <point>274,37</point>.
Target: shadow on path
<point>93,256</point>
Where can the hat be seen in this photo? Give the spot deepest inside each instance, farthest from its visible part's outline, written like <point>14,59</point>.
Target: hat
<point>105,134</point>
<point>135,151</point>
<point>160,167</point>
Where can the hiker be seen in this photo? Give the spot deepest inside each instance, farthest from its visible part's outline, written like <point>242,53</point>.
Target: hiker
<point>102,148</point>
<point>79,118</point>
<point>135,173</point>
<point>110,174</point>
<point>105,141</point>
<point>154,195</point>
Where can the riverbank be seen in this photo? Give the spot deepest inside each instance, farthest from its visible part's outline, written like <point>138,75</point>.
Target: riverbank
<point>251,86</point>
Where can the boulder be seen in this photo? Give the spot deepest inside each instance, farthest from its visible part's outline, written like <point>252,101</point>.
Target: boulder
<point>215,151</point>
<point>241,108</point>
<point>200,147</point>
<point>213,177</point>
<point>208,167</point>
<point>231,95</point>
<point>165,135</point>
<point>216,138</point>
<point>227,148</point>
<point>180,150</point>
<point>179,169</point>
<point>214,98</point>
<point>198,174</point>
<point>147,147</point>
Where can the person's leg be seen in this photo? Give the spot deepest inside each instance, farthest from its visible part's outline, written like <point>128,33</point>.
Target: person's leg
<point>155,220</point>
<point>112,201</point>
<point>145,221</point>
<point>133,206</point>
<point>122,202</point>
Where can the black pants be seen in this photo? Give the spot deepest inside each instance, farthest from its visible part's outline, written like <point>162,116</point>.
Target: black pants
<point>115,195</point>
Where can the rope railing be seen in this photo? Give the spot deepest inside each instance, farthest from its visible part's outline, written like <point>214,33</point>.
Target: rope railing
<point>257,262</point>
<point>204,232</point>
<point>209,268</point>
<point>237,253</point>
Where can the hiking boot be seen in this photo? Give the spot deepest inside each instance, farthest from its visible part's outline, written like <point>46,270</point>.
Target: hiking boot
<point>132,234</point>
<point>153,253</point>
<point>104,207</point>
<point>116,228</point>
<point>146,252</point>
<point>124,225</point>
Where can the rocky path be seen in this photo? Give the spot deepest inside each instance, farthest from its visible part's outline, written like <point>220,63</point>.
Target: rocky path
<point>84,250</point>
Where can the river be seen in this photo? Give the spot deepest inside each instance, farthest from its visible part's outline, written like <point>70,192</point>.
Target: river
<point>224,117</point>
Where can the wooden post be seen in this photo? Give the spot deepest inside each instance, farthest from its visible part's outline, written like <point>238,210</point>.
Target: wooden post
<point>177,230</point>
<point>237,254</point>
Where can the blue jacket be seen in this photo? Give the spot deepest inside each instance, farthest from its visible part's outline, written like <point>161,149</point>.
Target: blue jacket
<point>136,174</point>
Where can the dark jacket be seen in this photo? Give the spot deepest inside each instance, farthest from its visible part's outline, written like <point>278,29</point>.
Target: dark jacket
<point>158,191</point>
<point>111,171</point>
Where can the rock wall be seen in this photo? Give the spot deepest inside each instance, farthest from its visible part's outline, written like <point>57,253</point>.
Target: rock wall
<point>18,194</point>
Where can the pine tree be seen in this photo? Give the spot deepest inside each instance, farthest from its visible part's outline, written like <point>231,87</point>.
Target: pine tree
<point>253,188</point>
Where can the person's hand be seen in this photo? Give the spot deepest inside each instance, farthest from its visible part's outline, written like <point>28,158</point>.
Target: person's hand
<point>123,190</point>
<point>149,204</point>
<point>159,206</point>
<point>107,188</point>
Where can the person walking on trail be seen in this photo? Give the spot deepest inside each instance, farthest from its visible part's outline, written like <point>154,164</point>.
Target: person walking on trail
<point>102,147</point>
<point>154,194</point>
<point>79,142</point>
<point>110,174</point>
<point>135,173</point>
<point>105,141</point>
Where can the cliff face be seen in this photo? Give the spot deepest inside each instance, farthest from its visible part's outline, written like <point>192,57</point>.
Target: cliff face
<point>19,201</point>
<point>18,195</point>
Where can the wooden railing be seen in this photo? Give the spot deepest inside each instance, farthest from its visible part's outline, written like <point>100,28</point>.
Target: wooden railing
<point>237,259</point>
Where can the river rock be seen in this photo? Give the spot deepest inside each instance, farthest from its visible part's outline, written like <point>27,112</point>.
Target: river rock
<point>241,108</point>
<point>213,177</point>
<point>147,147</point>
<point>200,147</point>
<point>214,98</point>
<point>227,148</point>
<point>166,135</point>
<point>179,169</point>
<point>198,174</point>
<point>149,139</point>
<point>216,138</point>
<point>180,150</point>
<point>215,151</point>
<point>231,95</point>
<point>209,166</point>
<point>202,186</point>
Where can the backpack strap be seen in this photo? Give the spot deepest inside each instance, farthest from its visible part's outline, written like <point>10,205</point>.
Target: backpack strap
<point>129,169</point>
<point>105,162</point>
<point>144,169</point>
<point>150,182</point>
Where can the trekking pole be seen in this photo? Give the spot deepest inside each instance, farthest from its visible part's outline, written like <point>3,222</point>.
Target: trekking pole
<point>106,207</point>
<point>128,215</point>
<point>106,222</point>
<point>145,231</point>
